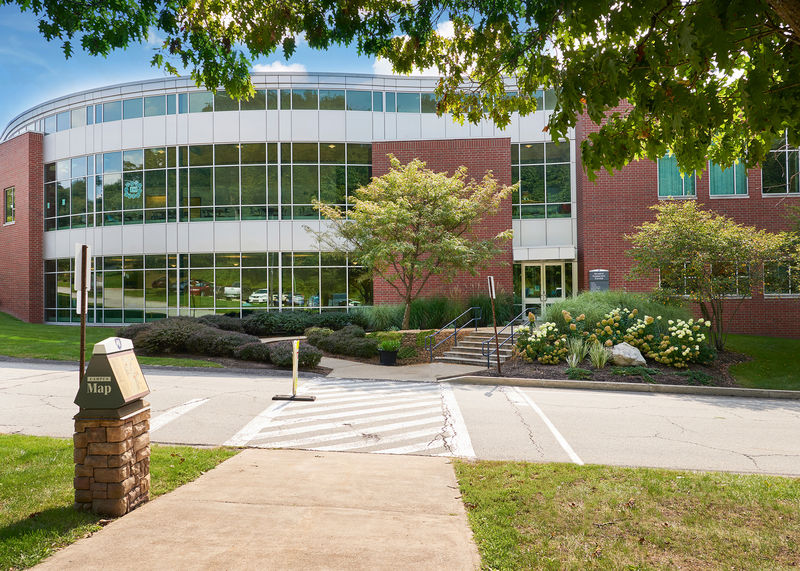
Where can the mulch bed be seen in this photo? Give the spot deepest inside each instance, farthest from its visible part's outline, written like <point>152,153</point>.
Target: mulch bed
<point>718,371</point>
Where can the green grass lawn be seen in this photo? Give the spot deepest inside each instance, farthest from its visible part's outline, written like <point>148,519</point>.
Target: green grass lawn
<point>62,343</point>
<point>775,364</point>
<point>36,493</point>
<point>562,516</point>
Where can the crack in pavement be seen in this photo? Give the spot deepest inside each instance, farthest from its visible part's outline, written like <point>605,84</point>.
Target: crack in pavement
<point>448,427</point>
<point>528,427</point>
<point>750,457</point>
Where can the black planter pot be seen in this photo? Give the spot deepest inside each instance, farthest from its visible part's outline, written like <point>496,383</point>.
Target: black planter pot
<point>388,357</point>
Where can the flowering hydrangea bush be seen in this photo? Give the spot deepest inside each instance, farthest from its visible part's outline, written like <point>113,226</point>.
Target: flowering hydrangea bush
<point>544,344</point>
<point>675,343</point>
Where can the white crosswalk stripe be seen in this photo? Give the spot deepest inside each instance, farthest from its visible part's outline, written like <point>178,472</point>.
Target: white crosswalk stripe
<point>388,417</point>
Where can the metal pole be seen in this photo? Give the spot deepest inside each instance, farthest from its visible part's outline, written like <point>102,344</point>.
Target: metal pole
<point>83,291</point>
<point>496,340</point>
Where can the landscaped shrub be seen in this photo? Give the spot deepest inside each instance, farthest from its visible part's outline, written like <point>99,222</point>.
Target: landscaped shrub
<point>379,317</point>
<point>389,345</point>
<point>544,344</point>
<point>503,306</point>
<point>214,342</point>
<point>434,312</point>
<point>167,336</point>
<point>314,334</point>
<point>224,322</point>
<point>256,351</point>
<point>348,341</point>
<point>131,331</point>
<point>596,304</point>
<point>267,323</point>
<point>334,319</point>
<point>280,354</point>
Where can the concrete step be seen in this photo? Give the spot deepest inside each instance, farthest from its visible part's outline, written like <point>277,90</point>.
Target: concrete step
<point>476,352</point>
<point>479,344</point>
<point>462,361</point>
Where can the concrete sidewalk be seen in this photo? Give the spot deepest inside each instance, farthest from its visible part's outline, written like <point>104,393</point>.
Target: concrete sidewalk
<point>291,509</point>
<point>431,372</point>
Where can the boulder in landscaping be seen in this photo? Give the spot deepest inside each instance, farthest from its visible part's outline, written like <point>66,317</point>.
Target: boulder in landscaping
<point>626,355</point>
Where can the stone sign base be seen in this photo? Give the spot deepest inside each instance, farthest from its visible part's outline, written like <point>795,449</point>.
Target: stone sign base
<point>112,461</point>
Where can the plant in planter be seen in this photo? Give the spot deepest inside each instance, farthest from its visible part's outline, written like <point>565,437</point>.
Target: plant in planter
<point>387,349</point>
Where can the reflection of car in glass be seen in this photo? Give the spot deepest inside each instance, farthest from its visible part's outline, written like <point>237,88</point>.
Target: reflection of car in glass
<point>313,301</point>
<point>161,283</point>
<point>198,287</point>
<point>231,291</point>
<point>294,300</point>
<point>259,296</point>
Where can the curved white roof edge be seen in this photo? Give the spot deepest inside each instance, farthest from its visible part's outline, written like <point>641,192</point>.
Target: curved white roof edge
<point>116,90</point>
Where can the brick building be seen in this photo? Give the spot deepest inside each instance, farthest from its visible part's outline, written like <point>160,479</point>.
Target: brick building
<point>193,203</point>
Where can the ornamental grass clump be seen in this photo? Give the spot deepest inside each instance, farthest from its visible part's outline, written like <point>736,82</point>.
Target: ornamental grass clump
<point>598,355</point>
<point>577,350</point>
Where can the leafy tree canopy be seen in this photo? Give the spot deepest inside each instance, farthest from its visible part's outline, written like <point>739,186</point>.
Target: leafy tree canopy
<point>412,223</point>
<point>707,257</point>
<point>702,78</point>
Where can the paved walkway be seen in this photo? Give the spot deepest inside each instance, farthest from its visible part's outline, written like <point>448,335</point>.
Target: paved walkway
<point>344,369</point>
<point>290,509</point>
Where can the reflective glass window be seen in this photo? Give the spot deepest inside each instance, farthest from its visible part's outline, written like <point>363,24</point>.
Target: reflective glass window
<point>171,104</point>
<point>304,184</point>
<point>183,103</point>
<point>201,102</point>
<point>155,189</point>
<point>256,103</point>
<point>224,103</point>
<point>90,114</point>
<point>358,153</point>
<point>78,117</point>
<point>558,183</point>
<point>304,99</point>
<point>254,185</point>
<point>78,167</point>
<point>226,185</point>
<point>359,100</point>
<point>390,102</point>
<point>531,153</point>
<point>357,176</point>
<point>331,153</point>
<point>304,153</point>
<point>428,102</point>
<point>50,172</point>
<point>132,108</point>
<point>253,153</point>
<point>272,99</point>
<point>132,191</point>
<point>63,169</point>
<point>557,152</point>
<point>98,113</point>
<point>155,158</point>
<point>408,102</point>
<point>201,155</point>
<point>62,121</point>
<point>549,100</point>
<point>78,195</point>
<point>727,182</point>
<point>200,191</point>
<point>332,99</point>
<point>332,184</point>
<point>377,100</point>
<point>226,154</point>
<point>50,124</point>
<point>671,182</point>
<point>155,106</point>
<point>112,111</point>
<point>133,160</point>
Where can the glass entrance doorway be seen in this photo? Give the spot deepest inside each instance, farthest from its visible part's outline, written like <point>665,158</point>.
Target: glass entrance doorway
<point>544,283</point>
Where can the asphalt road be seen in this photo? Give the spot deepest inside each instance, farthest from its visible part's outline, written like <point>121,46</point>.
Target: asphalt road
<point>541,425</point>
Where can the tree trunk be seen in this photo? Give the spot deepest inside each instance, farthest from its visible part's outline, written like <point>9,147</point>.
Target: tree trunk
<point>406,314</point>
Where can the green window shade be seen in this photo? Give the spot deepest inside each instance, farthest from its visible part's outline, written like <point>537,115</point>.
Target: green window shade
<point>670,181</point>
<point>727,182</point>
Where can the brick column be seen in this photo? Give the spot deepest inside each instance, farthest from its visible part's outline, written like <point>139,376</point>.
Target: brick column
<point>112,462</point>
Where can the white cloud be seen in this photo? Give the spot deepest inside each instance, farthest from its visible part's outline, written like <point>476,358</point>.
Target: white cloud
<point>383,67</point>
<point>153,39</point>
<point>278,65</point>
<point>446,29</point>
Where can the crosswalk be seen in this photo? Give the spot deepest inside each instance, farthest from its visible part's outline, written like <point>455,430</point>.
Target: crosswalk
<point>366,416</point>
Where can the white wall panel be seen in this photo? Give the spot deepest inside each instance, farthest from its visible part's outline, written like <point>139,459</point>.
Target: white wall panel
<point>172,232</point>
<point>254,236</point>
<point>332,125</point>
<point>559,231</point>
<point>132,133</point>
<point>200,128</point>
<point>302,240</point>
<point>378,126</point>
<point>284,126</point>
<point>154,131</point>
<point>532,233</point>
<point>112,240</point>
<point>201,237</point>
<point>226,126</point>
<point>285,234</point>
<point>359,125</point>
<point>390,126</point>
<point>49,148</point>
<point>273,125</point>
<point>112,136</point>
<point>155,239</point>
<point>226,237</point>
<point>273,235</point>
<point>77,141</point>
<point>433,127</point>
<point>455,131</point>
<point>182,236</point>
<point>182,129</point>
<point>252,126</point>
<point>531,127</point>
<point>171,130</point>
<point>61,145</point>
<point>133,238</point>
<point>305,126</point>
<point>408,126</point>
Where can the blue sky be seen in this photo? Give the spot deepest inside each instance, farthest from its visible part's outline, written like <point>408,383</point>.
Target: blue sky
<point>33,70</point>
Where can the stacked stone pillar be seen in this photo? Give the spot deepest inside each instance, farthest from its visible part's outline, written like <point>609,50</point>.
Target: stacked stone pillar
<point>112,462</point>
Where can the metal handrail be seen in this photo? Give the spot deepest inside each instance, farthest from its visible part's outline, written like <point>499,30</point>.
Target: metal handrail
<point>488,350</point>
<point>430,347</point>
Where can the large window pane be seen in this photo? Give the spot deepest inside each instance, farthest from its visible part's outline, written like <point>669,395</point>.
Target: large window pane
<point>253,153</point>
<point>63,197</point>
<point>78,191</point>
<point>558,183</point>
<point>112,162</point>
<point>132,191</point>
<point>531,153</point>
<point>359,154</point>
<point>200,192</point>
<point>132,160</point>
<point>226,154</point>
<point>155,158</point>
<point>390,102</point>
<point>132,108</point>
<point>306,287</point>
<point>78,117</point>
<point>330,99</point>
<point>428,102</point>
<point>304,99</point>
<point>255,287</point>
<point>254,185</point>
<point>670,180</point>
<point>334,287</point>
<point>360,286</point>
<point>112,111</point>
<point>357,177</point>
<point>558,153</point>
<point>257,103</point>
<point>331,153</point>
<point>226,185</point>
<point>155,106</point>
<point>201,102</point>
<point>359,100</point>
<point>408,102</point>
<point>304,153</point>
<point>155,189</point>
<point>63,121</point>
<point>224,103</point>
<point>78,167</point>
<point>332,184</point>
<point>304,184</point>
<point>201,155</point>
<point>532,184</point>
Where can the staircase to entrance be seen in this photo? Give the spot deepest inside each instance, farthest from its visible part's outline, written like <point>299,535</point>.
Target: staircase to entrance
<point>469,350</point>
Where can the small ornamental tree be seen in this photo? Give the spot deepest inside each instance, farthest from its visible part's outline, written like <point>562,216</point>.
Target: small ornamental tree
<point>706,257</point>
<point>412,223</point>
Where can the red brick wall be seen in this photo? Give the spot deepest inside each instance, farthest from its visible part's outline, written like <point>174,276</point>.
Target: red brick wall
<point>21,265</point>
<point>613,206</point>
<point>479,156</point>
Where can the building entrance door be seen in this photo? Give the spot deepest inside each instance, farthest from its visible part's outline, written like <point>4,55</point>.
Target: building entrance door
<point>544,283</point>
